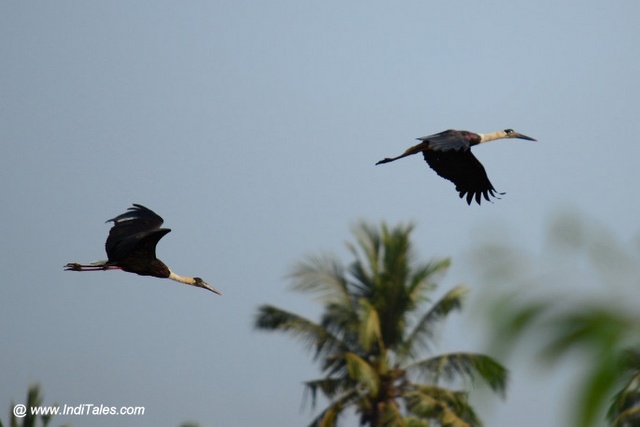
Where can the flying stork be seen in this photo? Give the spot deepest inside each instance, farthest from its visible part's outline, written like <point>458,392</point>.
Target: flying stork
<point>131,247</point>
<point>449,154</point>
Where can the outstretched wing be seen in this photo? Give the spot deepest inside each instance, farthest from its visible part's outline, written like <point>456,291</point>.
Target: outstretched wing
<point>463,169</point>
<point>135,219</point>
<point>449,140</point>
<point>135,231</point>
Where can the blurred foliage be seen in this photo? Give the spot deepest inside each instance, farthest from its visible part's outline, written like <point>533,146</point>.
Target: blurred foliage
<point>580,303</point>
<point>34,398</point>
<point>379,320</point>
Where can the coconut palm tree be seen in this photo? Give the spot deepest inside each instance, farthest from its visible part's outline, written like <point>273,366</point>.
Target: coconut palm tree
<point>378,323</point>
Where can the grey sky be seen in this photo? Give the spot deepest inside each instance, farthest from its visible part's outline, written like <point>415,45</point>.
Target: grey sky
<point>253,129</point>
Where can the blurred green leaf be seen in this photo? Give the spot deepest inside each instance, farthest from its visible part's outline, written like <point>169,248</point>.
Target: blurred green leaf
<point>603,330</point>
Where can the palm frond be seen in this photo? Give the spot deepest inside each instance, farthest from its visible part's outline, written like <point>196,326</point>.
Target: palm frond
<point>398,253</point>
<point>424,330</point>
<point>369,245</point>
<point>465,366</point>
<point>382,257</point>
<point>362,282</point>
<point>382,413</point>
<point>510,318</point>
<point>416,422</point>
<point>330,387</point>
<point>625,405</point>
<point>369,326</point>
<point>313,336</point>
<point>329,416</point>
<point>323,275</point>
<point>597,387</point>
<point>363,373</point>
<point>391,415</point>
<point>596,328</point>
<point>423,278</point>
<point>342,319</point>
<point>451,408</point>
<point>594,325</point>
<point>627,418</point>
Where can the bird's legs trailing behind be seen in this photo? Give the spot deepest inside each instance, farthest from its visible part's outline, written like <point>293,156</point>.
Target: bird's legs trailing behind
<point>94,266</point>
<point>413,150</point>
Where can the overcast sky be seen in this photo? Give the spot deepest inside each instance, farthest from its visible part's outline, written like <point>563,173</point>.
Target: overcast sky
<point>253,129</point>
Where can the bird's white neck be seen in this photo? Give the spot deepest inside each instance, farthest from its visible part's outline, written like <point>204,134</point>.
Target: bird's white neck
<point>193,281</point>
<point>181,279</point>
<point>486,137</point>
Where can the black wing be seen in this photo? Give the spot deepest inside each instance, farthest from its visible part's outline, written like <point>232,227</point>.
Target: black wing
<point>137,230</point>
<point>447,140</point>
<point>463,169</point>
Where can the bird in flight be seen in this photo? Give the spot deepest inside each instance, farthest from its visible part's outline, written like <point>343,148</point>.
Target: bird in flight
<point>449,154</point>
<point>131,247</point>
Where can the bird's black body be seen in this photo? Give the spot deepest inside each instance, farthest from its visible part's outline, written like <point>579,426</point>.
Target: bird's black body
<point>131,247</point>
<point>449,154</point>
<point>132,241</point>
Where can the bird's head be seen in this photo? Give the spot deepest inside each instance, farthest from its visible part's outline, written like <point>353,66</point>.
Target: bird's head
<point>202,284</point>
<point>510,133</point>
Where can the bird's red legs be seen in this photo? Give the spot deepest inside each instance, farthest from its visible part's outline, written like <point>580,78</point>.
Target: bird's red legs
<point>74,266</point>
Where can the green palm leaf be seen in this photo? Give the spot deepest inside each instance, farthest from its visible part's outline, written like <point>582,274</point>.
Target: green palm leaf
<point>329,416</point>
<point>363,374</point>
<point>423,332</point>
<point>330,387</point>
<point>370,332</point>
<point>625,408</point>
<point>465,366</point>
<point>313,335</point>
<point>322,275</point>
<point>451,408</point>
